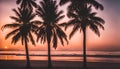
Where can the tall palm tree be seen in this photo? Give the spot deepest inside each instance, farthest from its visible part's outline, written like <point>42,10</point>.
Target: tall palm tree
<point>82,19</point>
<point>27,3</point>
<point>23,27</point>
<point>50,29</point>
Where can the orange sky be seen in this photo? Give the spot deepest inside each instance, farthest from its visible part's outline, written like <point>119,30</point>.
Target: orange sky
<point>109,39</point>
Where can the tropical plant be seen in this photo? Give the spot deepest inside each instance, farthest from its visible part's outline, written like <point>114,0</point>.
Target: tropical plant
<point>82,19</point>
<point>50,30</point>
<point>27,3</point>
<point>23,27</point>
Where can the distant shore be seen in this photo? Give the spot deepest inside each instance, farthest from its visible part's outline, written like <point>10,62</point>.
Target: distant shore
<point>69,55</point>
<point>21,64</point>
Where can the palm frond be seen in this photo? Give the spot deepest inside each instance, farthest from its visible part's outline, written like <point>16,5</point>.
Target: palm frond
<point>60,38</point>
<point>37,22</point>
<point>93,14</point>
<point>32,16</point>
<point>34,4</point>
<point>72,15</point>
<point>15,18</point>
<point>11,33</point>
<point>22,40</point>
<point>18,1</point>
<point>55,40</point>
<point>62,2</point>
<point>17,13</point>
<point>72,22</point>
<point>61,35</point>
<point>59,13</point>
<point>41,33</point>
<point>99,24</point>
<point>62,24</point>
<point>43,38</point>
<point>75,29</point>
<point>27,3</point>
<point>31,38</point>
<point>59,18</point>
<point>16,38</point>
<point>98,19</point>
<point>40,12</point>
<point>96,4</point>
<point>95,29</point>
<point>13,25</point>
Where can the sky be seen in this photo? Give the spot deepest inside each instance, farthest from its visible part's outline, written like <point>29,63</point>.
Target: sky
<point>108,41</point>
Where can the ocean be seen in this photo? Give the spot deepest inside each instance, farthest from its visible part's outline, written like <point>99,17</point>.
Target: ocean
<point>92,56</point>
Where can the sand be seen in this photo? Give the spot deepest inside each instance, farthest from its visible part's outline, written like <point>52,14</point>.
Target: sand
<point>21,64</point>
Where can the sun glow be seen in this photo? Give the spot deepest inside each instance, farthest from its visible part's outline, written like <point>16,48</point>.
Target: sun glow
<point>6,47</point>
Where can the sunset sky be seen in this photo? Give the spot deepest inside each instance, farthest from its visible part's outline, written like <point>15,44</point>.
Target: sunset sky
<point>109,39</point>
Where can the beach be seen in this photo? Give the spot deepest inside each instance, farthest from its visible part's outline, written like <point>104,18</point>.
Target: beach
<point>60,60</point>
<point>35,64</point>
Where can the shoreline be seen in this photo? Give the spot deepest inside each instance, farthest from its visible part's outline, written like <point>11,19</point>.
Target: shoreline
<point>74,55</point>
<point>38,64</point>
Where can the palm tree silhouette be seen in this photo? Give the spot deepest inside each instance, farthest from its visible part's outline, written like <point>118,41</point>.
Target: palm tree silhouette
<point>50,29</point>
<point>27,3</point>
<point>78,3</point>
<point>81,20</point>
<point>23,27</point>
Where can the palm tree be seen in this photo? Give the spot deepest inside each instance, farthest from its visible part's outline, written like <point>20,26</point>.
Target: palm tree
<point>50,29</point>
<point>23,27</point>
<point>81,19</point>
<point>27,3</point>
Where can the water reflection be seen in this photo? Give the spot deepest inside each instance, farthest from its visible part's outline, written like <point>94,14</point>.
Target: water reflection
<point>61,58</point>
<point>6,57</point>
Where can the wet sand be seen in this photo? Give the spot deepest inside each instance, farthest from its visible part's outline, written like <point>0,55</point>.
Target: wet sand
<point>21,64</point>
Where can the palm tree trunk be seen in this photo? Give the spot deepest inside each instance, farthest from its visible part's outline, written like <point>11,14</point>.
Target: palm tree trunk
<point>84,50</point>
<point>27,54</point>
<point>49,57</point>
